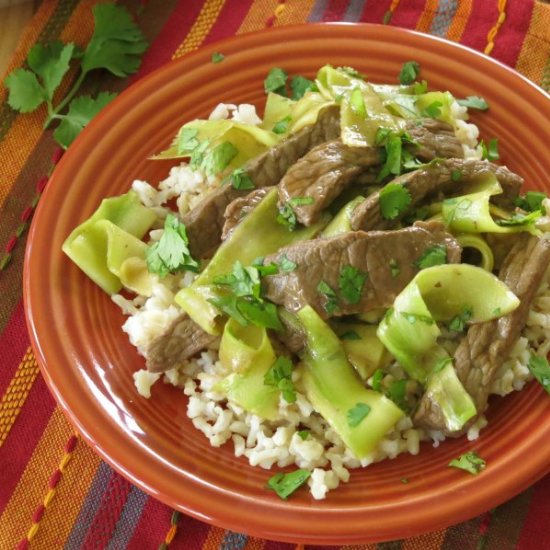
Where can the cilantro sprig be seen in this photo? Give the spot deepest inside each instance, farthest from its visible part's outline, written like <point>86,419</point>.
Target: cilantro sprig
<point>432,255</point>
<point>279,376</point>
<point>116,45</point>
<point>470,462</point>
<point>286,484</point>
<point>351,281</point>
<point>489,150</point>
<point>541,370</point>
<point>277,79</point>
<point>287,216</point>
<point>331,300</point>
<point>394,199</point>
<point>474,102</point>
<point>409,72</point>
<point>458,322</point>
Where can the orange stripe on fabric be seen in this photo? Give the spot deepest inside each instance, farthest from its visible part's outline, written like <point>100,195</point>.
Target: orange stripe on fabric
<point>425,22</point>
<point>429,541</point>
<point>201,27</point>
<point>27,129</point>
<point>255,544</point>
<point>213,539</point>
<point>458,24</point>
<point>291,13</point>
<point>360,547</point>
<point>494,30</point>
<point>16,393</point>
<point>535,50</point>
<point>16,518</point>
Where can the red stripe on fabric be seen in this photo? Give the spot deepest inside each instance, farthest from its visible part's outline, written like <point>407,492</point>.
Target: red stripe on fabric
<point>482,18</point>
<point>535,533</point>
<point>24,435</point>
<point>154,523</point>
<point>335,10</point>
<point>407,14</point>
<point>105,520</point>
<point>510,38</point>
<point>170,37</point>
<point>14,342</point>
<point>374,11</point>
<point>229,20</point>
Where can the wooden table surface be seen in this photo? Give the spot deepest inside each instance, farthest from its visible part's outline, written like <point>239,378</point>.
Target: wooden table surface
<point>13,18</point>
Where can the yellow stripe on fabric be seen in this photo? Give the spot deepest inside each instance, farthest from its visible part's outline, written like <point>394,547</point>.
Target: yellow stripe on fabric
<point>258,14</point>
<point>291,13</point>
<point>494,30</point>
<point>213,539</point>
<point>360,547</point>
<point>425,21</point>
<point>16,393</point>
<point>26,130</point>
<point>429,541</point>
<point>460,20</point>
<point>255,544</point>
<point>16,519</point>
<point>58,521</point>
<point>206,19</point>
<point>535,49</point>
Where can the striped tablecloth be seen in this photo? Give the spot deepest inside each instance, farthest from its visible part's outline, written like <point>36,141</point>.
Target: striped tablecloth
<point>54,491</point>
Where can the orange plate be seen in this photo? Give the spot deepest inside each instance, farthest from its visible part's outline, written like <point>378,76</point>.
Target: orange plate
<point>88,362</point>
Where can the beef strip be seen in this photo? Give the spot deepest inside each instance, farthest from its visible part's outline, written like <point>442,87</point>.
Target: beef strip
<point>236,210</point>
<point>430,180</point>
<point>205,222</point>
<point>331,167</point>
<point>373,253</point>
<point>487,345</point>
<point>433,139</point>
<point>183,339</point>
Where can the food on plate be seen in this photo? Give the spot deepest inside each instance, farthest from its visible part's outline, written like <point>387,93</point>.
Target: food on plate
<point>335,282</point>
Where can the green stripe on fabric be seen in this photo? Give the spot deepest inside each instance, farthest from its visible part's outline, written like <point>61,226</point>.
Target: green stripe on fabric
<point>545,82</point>
<point>391,545</point>
<point>464,535</point>
<point>51,31</point>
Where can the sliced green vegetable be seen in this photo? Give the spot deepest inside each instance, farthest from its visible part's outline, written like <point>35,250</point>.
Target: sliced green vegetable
<point>470,462</point>
<point>437,105</point>
<point>341,223</point>
<point>541,370</point>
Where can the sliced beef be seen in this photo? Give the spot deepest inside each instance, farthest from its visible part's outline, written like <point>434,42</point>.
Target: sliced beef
<point>431,180</point>
<point>183,339</point>
<point>236,210</point>
<point>487,345</point>
<point>205,222</point>
<point>433,139</point>
<point>386,257</point>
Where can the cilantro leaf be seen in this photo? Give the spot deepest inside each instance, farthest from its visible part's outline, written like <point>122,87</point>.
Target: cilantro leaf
<point>286,265</point>
<point>357,103</point>
<point>299,85</point>
<point>279,375</point>
<point>489,150</point>
<point>397,392</point>
<point>117,42</point>
<point>531,201</point>
<point>287,216</point>
<point>81,111</point>
<point>394,268</point>
<point>26,93</point>
<point>351,282</point>
<point>520,219</point>
<point>409,72</point>
<point>458,322</point>
<point>376,381</point>
<point>433,110</point>
<point>394,200</point>
<point>474,102</point>
<point>186,140</point>
<point>350,335</point>
<point>303,434</point>
<point>357,414</point>
<point>217,57</point>
<point>470,462</point>
<point>281,127</point>
<point>404,480</point>
<point>171,253</point>
<point>50,63</point>
<point>275,81</point>
<point>247,310</point>
<point>433,255</point>
<point>393,147</point>
<point>285,484</point>
<point>331,303</point>
<point>241,180</point>
<point>243,281</point>
<point>218,158</point>
<point>541,370</point>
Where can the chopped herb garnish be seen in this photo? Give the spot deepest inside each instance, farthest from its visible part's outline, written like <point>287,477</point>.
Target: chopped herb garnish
<point>287,216</point>
<point>394,268</point>
<point>243,281</point>
<point>186,141</point>
<point>433,255</point>
<point>433,110</point>
<point>357,414</point>
<point>217,57</point>
<point>350,335</point>
<point>303,434</point>
<point>351,282</point>
<point>198,154</point>
<point>331,303</point>
<point>393,147</point>
<point>358,103</point>
<point>394,199</point>
<point>285,484</point>
<point>520,219</point>
<point>409,72</point>
<point>275,81</point>
<point>497,312</point>
<point>456,175</point>
<point>218,158</point>
<point>531,201</point>
<point>299,85</point>
<point>263,270</point>
<point>397,393</point>
<point>458,323</point>
<point>470,462</point>
<point>376,382</point>
<point>489,150</point>
<point>281,127</point>
<point>286,265</point>
<point>541,370</point>
<point>241,180</point>
<point>404,480</point>
<point>279,375</point>
<point>171,253</point>
<point>412,318</point>
<point>474,102</point>
<point>350,71</point>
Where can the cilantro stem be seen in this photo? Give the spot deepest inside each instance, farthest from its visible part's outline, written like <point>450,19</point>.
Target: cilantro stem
<point>53,114</point>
